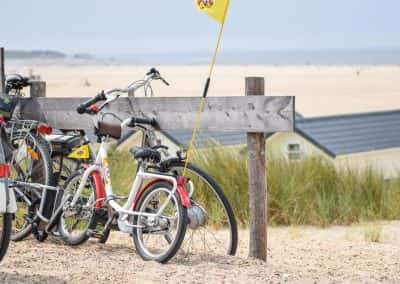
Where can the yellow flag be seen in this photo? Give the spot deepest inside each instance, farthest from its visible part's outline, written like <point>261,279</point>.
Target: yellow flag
<point>217,9</point>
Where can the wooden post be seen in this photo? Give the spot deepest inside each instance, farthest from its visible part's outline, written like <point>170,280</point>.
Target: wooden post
<point>2,73</point>
<point>257,180</point>
<point>38,89</point>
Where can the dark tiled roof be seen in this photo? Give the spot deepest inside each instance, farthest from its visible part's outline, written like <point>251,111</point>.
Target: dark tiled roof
<point>336,135</point>
<point>353,133</point>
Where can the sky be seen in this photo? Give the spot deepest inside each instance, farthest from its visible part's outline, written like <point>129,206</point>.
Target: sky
<point>132,26</point>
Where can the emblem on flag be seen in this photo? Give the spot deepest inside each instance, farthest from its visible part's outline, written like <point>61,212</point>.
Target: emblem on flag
<point>205,3</point>
<point>216,9</point>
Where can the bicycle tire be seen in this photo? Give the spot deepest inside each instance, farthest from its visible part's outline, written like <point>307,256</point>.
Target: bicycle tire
<point>45,178</point>
<point>181,230</point>
<point>63,173</point>
<point>84,236</point>
<point>5,233</point>
<point>217,190</point>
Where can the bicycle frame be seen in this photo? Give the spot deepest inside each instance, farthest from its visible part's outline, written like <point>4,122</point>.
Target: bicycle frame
<point>8,203</point>
<point>36,187</point>
<point>101,175</point>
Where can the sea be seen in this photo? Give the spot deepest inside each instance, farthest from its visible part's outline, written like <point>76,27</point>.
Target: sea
<point>378,56</point>
<point>277,57</point>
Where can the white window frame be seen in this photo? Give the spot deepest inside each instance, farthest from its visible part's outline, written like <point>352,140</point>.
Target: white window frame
<point>293,155</point>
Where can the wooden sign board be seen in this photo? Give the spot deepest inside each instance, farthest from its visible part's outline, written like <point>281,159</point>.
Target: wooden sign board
<point>247,114</point>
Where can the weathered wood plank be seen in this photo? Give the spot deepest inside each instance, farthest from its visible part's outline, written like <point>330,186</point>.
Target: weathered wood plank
<point>257,181</point>
<point>2,73</point>
<point>248,114</point>
<point>38,89</point>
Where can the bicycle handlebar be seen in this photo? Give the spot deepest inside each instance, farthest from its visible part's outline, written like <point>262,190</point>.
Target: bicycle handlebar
<point>89,106</point>
<point>157,75</point>
<point>17,82</point>
<point>84,108</point>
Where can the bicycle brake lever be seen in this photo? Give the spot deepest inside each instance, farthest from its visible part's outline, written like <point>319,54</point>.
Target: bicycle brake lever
<point>160,147</point>
<point>164,81</point>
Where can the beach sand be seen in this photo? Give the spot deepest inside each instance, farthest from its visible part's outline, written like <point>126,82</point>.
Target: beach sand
<point>295,255</point>
<point>319,90</point>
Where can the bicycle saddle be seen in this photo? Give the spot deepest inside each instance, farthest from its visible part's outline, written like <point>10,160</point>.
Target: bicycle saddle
<point>146,154</point>
<point>16,82</point>
<point>108,129</point>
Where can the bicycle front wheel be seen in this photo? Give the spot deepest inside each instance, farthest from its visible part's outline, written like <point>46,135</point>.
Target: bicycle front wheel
<point>212,224</point>
<point>5,232</point>
<point>76,221</point>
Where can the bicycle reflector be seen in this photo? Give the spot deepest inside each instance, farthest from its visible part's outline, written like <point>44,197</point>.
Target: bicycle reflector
<point>5,171</point>
<point>44,129</point>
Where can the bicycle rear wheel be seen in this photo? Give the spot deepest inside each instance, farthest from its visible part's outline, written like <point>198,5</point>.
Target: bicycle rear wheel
<point>159,238</point>
<point>5,232</point>
<point>212,224</point>
<point>30,162</point>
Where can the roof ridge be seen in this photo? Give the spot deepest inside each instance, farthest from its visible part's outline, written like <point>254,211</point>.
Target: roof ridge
<point>350,115</point>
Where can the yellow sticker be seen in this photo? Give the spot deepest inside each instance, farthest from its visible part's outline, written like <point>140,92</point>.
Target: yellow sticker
<point>80,153</point>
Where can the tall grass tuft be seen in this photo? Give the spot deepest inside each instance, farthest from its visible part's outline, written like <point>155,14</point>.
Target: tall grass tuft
<point>308,192</point>
<point>373,232</point>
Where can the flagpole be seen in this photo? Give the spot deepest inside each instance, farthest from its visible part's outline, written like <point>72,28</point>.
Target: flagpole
<point>203,99</point>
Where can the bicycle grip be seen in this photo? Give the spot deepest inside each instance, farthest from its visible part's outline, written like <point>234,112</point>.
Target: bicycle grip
<point>139,120</point>
<point>82,108</point>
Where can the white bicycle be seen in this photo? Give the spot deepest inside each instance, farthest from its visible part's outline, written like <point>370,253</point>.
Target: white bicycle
<point>154,213</point>
<point>8,205</point>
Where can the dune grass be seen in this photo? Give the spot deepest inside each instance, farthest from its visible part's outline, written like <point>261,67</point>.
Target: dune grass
<point>309,192</point>
<point>373,232</point>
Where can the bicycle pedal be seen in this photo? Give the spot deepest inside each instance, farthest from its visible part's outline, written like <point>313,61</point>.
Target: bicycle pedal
<point>28,219</point>
<point>41,236</point>
<point>95,234</point>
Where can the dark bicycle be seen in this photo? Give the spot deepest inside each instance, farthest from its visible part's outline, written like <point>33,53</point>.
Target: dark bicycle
<point>29,156</point>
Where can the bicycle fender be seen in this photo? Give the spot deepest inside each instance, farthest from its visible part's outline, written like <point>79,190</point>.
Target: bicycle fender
<point>100,192</point>
<point>181,189</point>
<point>183,193</point>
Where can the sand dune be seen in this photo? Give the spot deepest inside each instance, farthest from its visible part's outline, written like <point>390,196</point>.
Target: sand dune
<point>320,90</point>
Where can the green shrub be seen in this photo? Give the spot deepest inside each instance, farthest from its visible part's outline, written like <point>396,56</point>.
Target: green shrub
<point>309,192</point>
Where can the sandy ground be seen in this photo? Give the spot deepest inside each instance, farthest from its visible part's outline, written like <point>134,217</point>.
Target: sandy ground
<point>295,255</point>
<point>319,90</point>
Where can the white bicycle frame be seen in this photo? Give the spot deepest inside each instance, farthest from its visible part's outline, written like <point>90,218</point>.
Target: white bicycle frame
<point>7,198</point>
<point>101,165</point>
<point>8,203</point>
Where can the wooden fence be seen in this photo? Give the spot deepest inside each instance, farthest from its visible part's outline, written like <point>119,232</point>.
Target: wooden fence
<point>254,113</point>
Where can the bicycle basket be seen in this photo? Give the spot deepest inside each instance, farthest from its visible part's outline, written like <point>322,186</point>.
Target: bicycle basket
<point>7,105</point>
